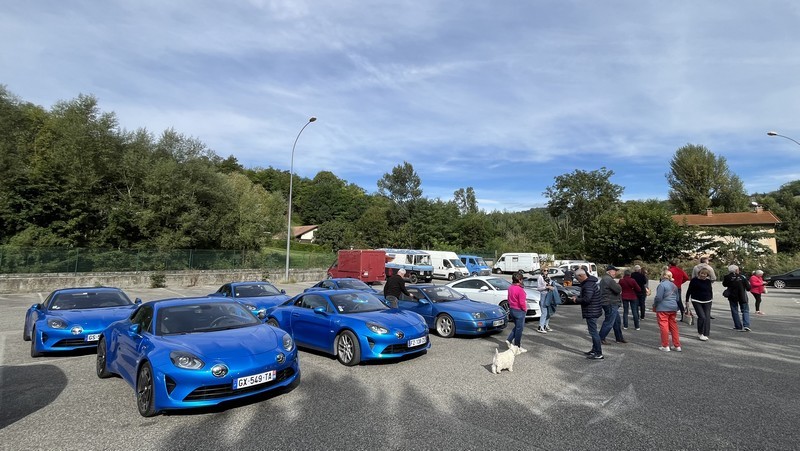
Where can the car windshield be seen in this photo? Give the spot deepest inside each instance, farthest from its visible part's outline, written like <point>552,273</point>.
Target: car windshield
<point>357,302</point>
<point>354,284</point>
<point>89,299</point>
<point>530,283</point>
<point>255,290</point>
<point>205,317</point>
<point>442,293</point>
<point>498,283</point>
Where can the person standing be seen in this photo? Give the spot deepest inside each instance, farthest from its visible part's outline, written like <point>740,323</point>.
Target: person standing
<point>517,306</point>
<point>640,276</point>
<point>591,302</point>
<point>679,276</point>
<point>737,288</point>
<point>569,274</point>
<point>543,286</point>
<point>630,298</point>
<point>757,288</point>
<point>611,291</point>
<point>701,293</point>
<point>666,303</point>
<point>396,285</point>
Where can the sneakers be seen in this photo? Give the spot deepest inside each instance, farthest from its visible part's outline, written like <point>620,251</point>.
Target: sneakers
<point>746,329</point>
<point>677,349</point>
<point>622,341</point>
<point>759,312</point>
<point>662,348</point>
<point>638,328</point>
<point>522,350</point>
<point>547,328</point>
<point>589,353</point>
<point>702,337</point>
<point>603,342</point>
<point>624,327</point>
<point>509,344</point>
<point>541,331</point>
<point>595,357</point>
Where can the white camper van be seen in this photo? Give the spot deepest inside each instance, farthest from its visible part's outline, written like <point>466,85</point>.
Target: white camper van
<point>517,261</point>
<point>447,265</point>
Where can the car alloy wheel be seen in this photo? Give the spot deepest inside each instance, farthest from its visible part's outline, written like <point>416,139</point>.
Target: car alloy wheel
<point>145,395</point>
<point>348,350</point>
<point>100,366</point>
<point>34,350</point>
<point>445,326</point>
<point>779,284</point>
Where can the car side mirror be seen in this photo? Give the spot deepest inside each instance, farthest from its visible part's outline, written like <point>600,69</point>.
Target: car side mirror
<point>135,329</point>
<point>320,310</point>
<point>262,314</point>
<point>137,301</point>
<point>423,301</point>
<point>36,306</point>
<point>283,291</point>
<point>484,288</point>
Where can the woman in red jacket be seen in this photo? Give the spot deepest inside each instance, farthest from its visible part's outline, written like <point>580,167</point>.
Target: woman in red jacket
<point>630,298</point>
<point>757,288</point>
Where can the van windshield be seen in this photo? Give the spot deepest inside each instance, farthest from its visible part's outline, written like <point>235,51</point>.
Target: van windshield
<point>457,263</point>
<point>479,261</point>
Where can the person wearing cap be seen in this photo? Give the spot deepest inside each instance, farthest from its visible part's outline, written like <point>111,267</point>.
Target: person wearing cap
<point>611,291</point>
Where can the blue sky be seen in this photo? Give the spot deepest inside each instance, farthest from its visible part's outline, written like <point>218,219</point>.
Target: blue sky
<point>501,96</point>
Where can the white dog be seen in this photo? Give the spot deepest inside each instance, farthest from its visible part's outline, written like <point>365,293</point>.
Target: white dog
<point>505,359</point>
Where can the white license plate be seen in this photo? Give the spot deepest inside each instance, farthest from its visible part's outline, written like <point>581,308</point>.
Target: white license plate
<point>498,322</point>
<point>417,341</point>
<point>92,337</point>
<point>256,379</point>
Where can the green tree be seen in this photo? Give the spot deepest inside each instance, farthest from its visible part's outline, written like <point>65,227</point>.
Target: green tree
<point>785,204</point>
<point>576,199</point>
<point>698,180</point>
<point>402,185</point>
<point>327,197</point>
<point>465,200</point>
<point>252,215</point>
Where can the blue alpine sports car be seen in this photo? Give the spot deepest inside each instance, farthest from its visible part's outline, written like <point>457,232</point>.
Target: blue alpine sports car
<point>350,324</point>
<point>450,312</point>
<point>195,352</point>
<point>342,283</point>
<point>254,295</point>
<point>73,318</point>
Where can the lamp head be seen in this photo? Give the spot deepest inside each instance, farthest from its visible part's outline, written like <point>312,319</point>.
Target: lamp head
<point>771,133</point>
<point>312,119</point>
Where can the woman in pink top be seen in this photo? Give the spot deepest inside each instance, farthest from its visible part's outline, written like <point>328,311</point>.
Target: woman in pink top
<point>757,288</point>
<point>517,305</point>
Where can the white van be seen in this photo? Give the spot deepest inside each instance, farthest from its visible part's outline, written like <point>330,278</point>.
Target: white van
<point>574,265</point>
<point>517,261</point>
<point>447,265</point>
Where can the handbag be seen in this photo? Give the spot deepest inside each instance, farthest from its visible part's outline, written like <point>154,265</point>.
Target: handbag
<point>726,293</point>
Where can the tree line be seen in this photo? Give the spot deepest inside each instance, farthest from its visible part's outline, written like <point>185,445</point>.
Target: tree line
<point>70,176</point>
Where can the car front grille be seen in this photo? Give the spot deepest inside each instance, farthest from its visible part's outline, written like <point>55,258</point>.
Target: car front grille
<point>73,342</point>
<point>403,348</point>
<point>226,390</point>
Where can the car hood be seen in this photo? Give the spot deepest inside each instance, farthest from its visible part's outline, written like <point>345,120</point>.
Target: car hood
<point>532,293</point>
<point>222,344</point>
<point>390,318</point>
<point>470,306</point>
<point>93,318</point>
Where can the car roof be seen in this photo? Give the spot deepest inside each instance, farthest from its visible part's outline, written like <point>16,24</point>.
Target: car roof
<point>86,289</point>
<point>254,282</point>
<point>172,302</point>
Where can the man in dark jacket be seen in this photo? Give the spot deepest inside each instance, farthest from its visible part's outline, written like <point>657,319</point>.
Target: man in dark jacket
<point>737,287</point>
<point>396,285</point>
<point>611,291</point>
<point>591,302</point>
<point>640,278</point>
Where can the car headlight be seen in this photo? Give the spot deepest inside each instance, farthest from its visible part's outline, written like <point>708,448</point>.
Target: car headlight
<point>185,360</point>
<point>57,323</point>
<point>479,315</point>
<point>250,307</point>
<point>288,343</point>
<point>377,329</point>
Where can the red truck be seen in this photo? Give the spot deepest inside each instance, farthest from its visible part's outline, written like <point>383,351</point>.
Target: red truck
<point>366,265</point>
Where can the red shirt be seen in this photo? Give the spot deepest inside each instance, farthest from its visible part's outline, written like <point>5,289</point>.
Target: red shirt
<point>629,288</point>
<point>679,276</point>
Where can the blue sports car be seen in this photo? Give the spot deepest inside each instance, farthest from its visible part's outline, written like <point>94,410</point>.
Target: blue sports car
<point>254,295</point>
<point>195,352</point>
<point>450,312</point>
<point>350,324</point>
<point>342,283</point>
<point>73,318</point>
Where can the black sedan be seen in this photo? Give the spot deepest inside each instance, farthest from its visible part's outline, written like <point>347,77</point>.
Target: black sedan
<point>566,293</point>
<point>790,279</point>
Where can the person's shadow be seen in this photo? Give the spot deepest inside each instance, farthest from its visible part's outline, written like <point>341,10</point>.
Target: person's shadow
<point>28,388</point>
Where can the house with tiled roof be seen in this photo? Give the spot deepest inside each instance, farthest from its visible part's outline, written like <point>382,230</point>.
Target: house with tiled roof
<point>766,221</point>
<point>304,234</point>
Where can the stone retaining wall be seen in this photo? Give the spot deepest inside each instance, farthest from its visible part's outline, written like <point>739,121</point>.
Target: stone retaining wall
<point>28,283</point>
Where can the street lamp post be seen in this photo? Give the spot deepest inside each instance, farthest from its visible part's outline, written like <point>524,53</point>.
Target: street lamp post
<point>771,133</point>
<point>291,178</point>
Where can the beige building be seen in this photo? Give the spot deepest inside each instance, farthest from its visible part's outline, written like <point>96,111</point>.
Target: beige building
<point>765,220</point>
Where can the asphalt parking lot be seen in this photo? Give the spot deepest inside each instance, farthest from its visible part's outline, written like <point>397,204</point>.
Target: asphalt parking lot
<point>736,391</point>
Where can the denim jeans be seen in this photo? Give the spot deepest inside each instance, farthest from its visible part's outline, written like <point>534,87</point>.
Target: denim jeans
<point>642,299</point>
<point>591,324</point>
<point>519,322</point>
<point>738,323</point>
<point>703,310</point>
<point>545,318</point>
<point>611,321</point>
<point>633,305</point>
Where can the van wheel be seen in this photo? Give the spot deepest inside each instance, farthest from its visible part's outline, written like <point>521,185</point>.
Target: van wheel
<point>413,278</point>
<point>496,270</point>
<point>451,277</point>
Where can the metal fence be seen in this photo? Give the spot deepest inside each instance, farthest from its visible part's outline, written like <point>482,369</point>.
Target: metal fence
<point>18,260</point>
